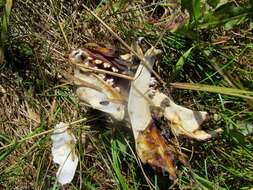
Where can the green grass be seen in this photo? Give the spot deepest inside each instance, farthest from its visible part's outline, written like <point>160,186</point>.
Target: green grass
<point>206,62</point>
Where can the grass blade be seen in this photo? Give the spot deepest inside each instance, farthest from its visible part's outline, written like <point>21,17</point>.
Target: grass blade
<point>215,89</point>
<point>196,9</point>
<point>116,166</point>
<point>181,61</point>
<point>4,28</point>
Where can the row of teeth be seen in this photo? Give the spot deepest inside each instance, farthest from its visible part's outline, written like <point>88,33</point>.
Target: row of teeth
<point>109,81</point>
<point>98,62</point>
<point>102,76</point>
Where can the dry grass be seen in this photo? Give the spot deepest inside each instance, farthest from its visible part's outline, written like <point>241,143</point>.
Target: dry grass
<point>33,98</point>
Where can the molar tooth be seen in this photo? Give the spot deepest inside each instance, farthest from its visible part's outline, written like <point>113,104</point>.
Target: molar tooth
<point>102,76</point>
<point>110,82</point>
<point>117,88</point>
<point>97,61</point>
<point>152,81</point>
<point>114,69</point>
<point>126,57</point>
<point>86,63</point>
<point>106,65</point>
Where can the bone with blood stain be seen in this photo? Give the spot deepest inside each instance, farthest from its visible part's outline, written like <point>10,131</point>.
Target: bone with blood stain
<point>151,146</point>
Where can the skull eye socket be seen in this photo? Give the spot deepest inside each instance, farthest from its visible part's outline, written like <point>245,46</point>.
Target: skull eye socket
<point>79,54</point>
<point>76,52</point>
<point>83,57</point>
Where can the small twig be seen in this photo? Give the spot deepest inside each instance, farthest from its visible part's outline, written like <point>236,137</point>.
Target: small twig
<point>60,53</point>
<point>42,133</point>
<point>59,23</point>
<point>143,61</point>
<point>150,184</point>
<point>78,121</point>
<point>58,86</point>
<point>106,72</point>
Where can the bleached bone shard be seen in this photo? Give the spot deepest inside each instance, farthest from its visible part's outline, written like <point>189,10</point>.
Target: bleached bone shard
<point>181,120</point>
<point>151,146</point>
<point>63,151</point>
<point>99,100</point>
<point>90,79</point>
<point>138,106</point>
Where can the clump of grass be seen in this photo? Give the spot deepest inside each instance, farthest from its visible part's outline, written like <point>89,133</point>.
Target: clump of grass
<point>6,6</point>
<point>203,50</point>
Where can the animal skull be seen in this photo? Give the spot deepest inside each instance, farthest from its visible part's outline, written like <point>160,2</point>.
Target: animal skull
<point>135,100</point>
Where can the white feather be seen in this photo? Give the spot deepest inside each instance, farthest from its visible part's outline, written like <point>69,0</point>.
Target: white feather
<point>63,151</point>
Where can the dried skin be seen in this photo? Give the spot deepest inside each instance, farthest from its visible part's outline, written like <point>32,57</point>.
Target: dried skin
<point>153,149</point>
<point>106,51</point>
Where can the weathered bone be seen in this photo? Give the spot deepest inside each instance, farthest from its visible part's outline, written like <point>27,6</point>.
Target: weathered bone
<point>151,146</point>
<point>104,97</point>
<point>94,79</point>
<point>98,100</point>
<point>182,121</point>
<point>138,106</point>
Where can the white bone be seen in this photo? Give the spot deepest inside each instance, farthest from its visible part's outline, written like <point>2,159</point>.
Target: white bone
<point>94,98</point>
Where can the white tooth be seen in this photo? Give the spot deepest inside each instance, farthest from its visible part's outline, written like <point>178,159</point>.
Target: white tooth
<point>106,65</point>
<point>86,63</point>
<point>117,88</point>
<point>102,76</point>
<point>89,58</point>
<point>95,67</point>
<point>110,82</point>
<point>114,69</point>
<point>126,57</point>
<point>97,61</point>
<point>152,81</point>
